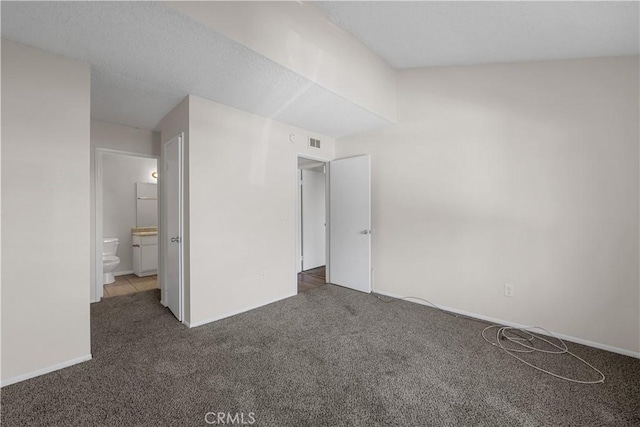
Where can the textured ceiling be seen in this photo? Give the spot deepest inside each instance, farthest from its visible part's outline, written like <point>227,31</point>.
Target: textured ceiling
<point>145,57</point>
<point>421,34</point>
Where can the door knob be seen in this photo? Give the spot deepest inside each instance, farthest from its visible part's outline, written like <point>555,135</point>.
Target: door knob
<point>175,239</point>
<point>365,232</point>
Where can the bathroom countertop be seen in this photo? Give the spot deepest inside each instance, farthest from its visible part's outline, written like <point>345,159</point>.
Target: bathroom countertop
<point>144,231</point>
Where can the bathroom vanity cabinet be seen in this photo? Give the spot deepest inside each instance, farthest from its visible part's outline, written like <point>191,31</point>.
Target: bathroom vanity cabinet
<point>145,255</point>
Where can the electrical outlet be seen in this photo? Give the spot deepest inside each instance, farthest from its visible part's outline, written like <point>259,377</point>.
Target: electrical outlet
<point>509,290</point>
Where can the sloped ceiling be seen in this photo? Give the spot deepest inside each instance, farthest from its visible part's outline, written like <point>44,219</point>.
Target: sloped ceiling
<point>441,33</point>
<point>146,57</point>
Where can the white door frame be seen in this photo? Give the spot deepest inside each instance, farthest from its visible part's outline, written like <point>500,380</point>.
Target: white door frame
<point>99,220</point>
<point>298,222</point>
<point>163,247</point>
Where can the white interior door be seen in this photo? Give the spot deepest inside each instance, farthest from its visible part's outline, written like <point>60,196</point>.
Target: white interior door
<point>350,223</point>
<point>298,221</point>
<point>172,244</point>
<point>313,219</point>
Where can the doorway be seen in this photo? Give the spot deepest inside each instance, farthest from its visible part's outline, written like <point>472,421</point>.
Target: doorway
<point>338,221</point>
<point>311,224</point>
<point>121,211</point>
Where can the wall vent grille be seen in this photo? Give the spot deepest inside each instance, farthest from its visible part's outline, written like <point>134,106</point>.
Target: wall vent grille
<point>314,143</point>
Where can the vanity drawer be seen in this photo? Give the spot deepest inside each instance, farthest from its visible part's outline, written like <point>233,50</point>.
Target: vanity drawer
<point>145,240</point>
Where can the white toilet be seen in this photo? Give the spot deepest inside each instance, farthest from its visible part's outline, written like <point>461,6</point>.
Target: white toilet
<point>109,259</point>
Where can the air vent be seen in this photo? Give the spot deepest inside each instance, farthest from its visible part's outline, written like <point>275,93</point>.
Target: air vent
<point>314,143</point>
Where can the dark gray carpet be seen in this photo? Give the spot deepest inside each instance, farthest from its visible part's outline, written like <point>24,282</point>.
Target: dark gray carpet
<point>328,357</point>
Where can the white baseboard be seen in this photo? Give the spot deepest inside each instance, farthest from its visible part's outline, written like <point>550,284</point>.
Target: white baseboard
<point>600,346</point>
<point>122,273</point>
<point>48,369</point>
<point>233,313</point>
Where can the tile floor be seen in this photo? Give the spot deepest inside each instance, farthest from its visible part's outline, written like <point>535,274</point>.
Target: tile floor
<point>130,284</point>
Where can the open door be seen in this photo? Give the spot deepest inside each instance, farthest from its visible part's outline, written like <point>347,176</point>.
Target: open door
<point>350,223</point>
<point>172,243</point>
<point>313,218</point>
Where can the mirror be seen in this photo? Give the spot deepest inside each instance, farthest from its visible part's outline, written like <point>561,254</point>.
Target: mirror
<point>146,205</point>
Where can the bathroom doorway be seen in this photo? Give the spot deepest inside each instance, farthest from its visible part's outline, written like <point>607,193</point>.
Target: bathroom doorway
<point>311,222</point>
<point>126,219</point>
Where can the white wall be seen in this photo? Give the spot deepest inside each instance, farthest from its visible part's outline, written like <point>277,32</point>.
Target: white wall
<point>120,138</point>
<point>242,207</point>
<point>300,37</point>
<point>45,211</point>
<point>119,177</point>
<point>124,138</point>
<point>514,173</point>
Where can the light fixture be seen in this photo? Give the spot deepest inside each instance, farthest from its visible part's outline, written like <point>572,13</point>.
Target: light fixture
<point>154,174</point>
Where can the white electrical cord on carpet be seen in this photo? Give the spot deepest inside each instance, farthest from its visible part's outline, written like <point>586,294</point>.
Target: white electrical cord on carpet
<point>423,300</point>
<point>525,342</point>
<point>420,299</point>
<point>526,346</point>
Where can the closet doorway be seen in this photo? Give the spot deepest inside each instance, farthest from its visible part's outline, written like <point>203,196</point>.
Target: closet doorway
<point>311,224</point>
<point>333,223</point>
